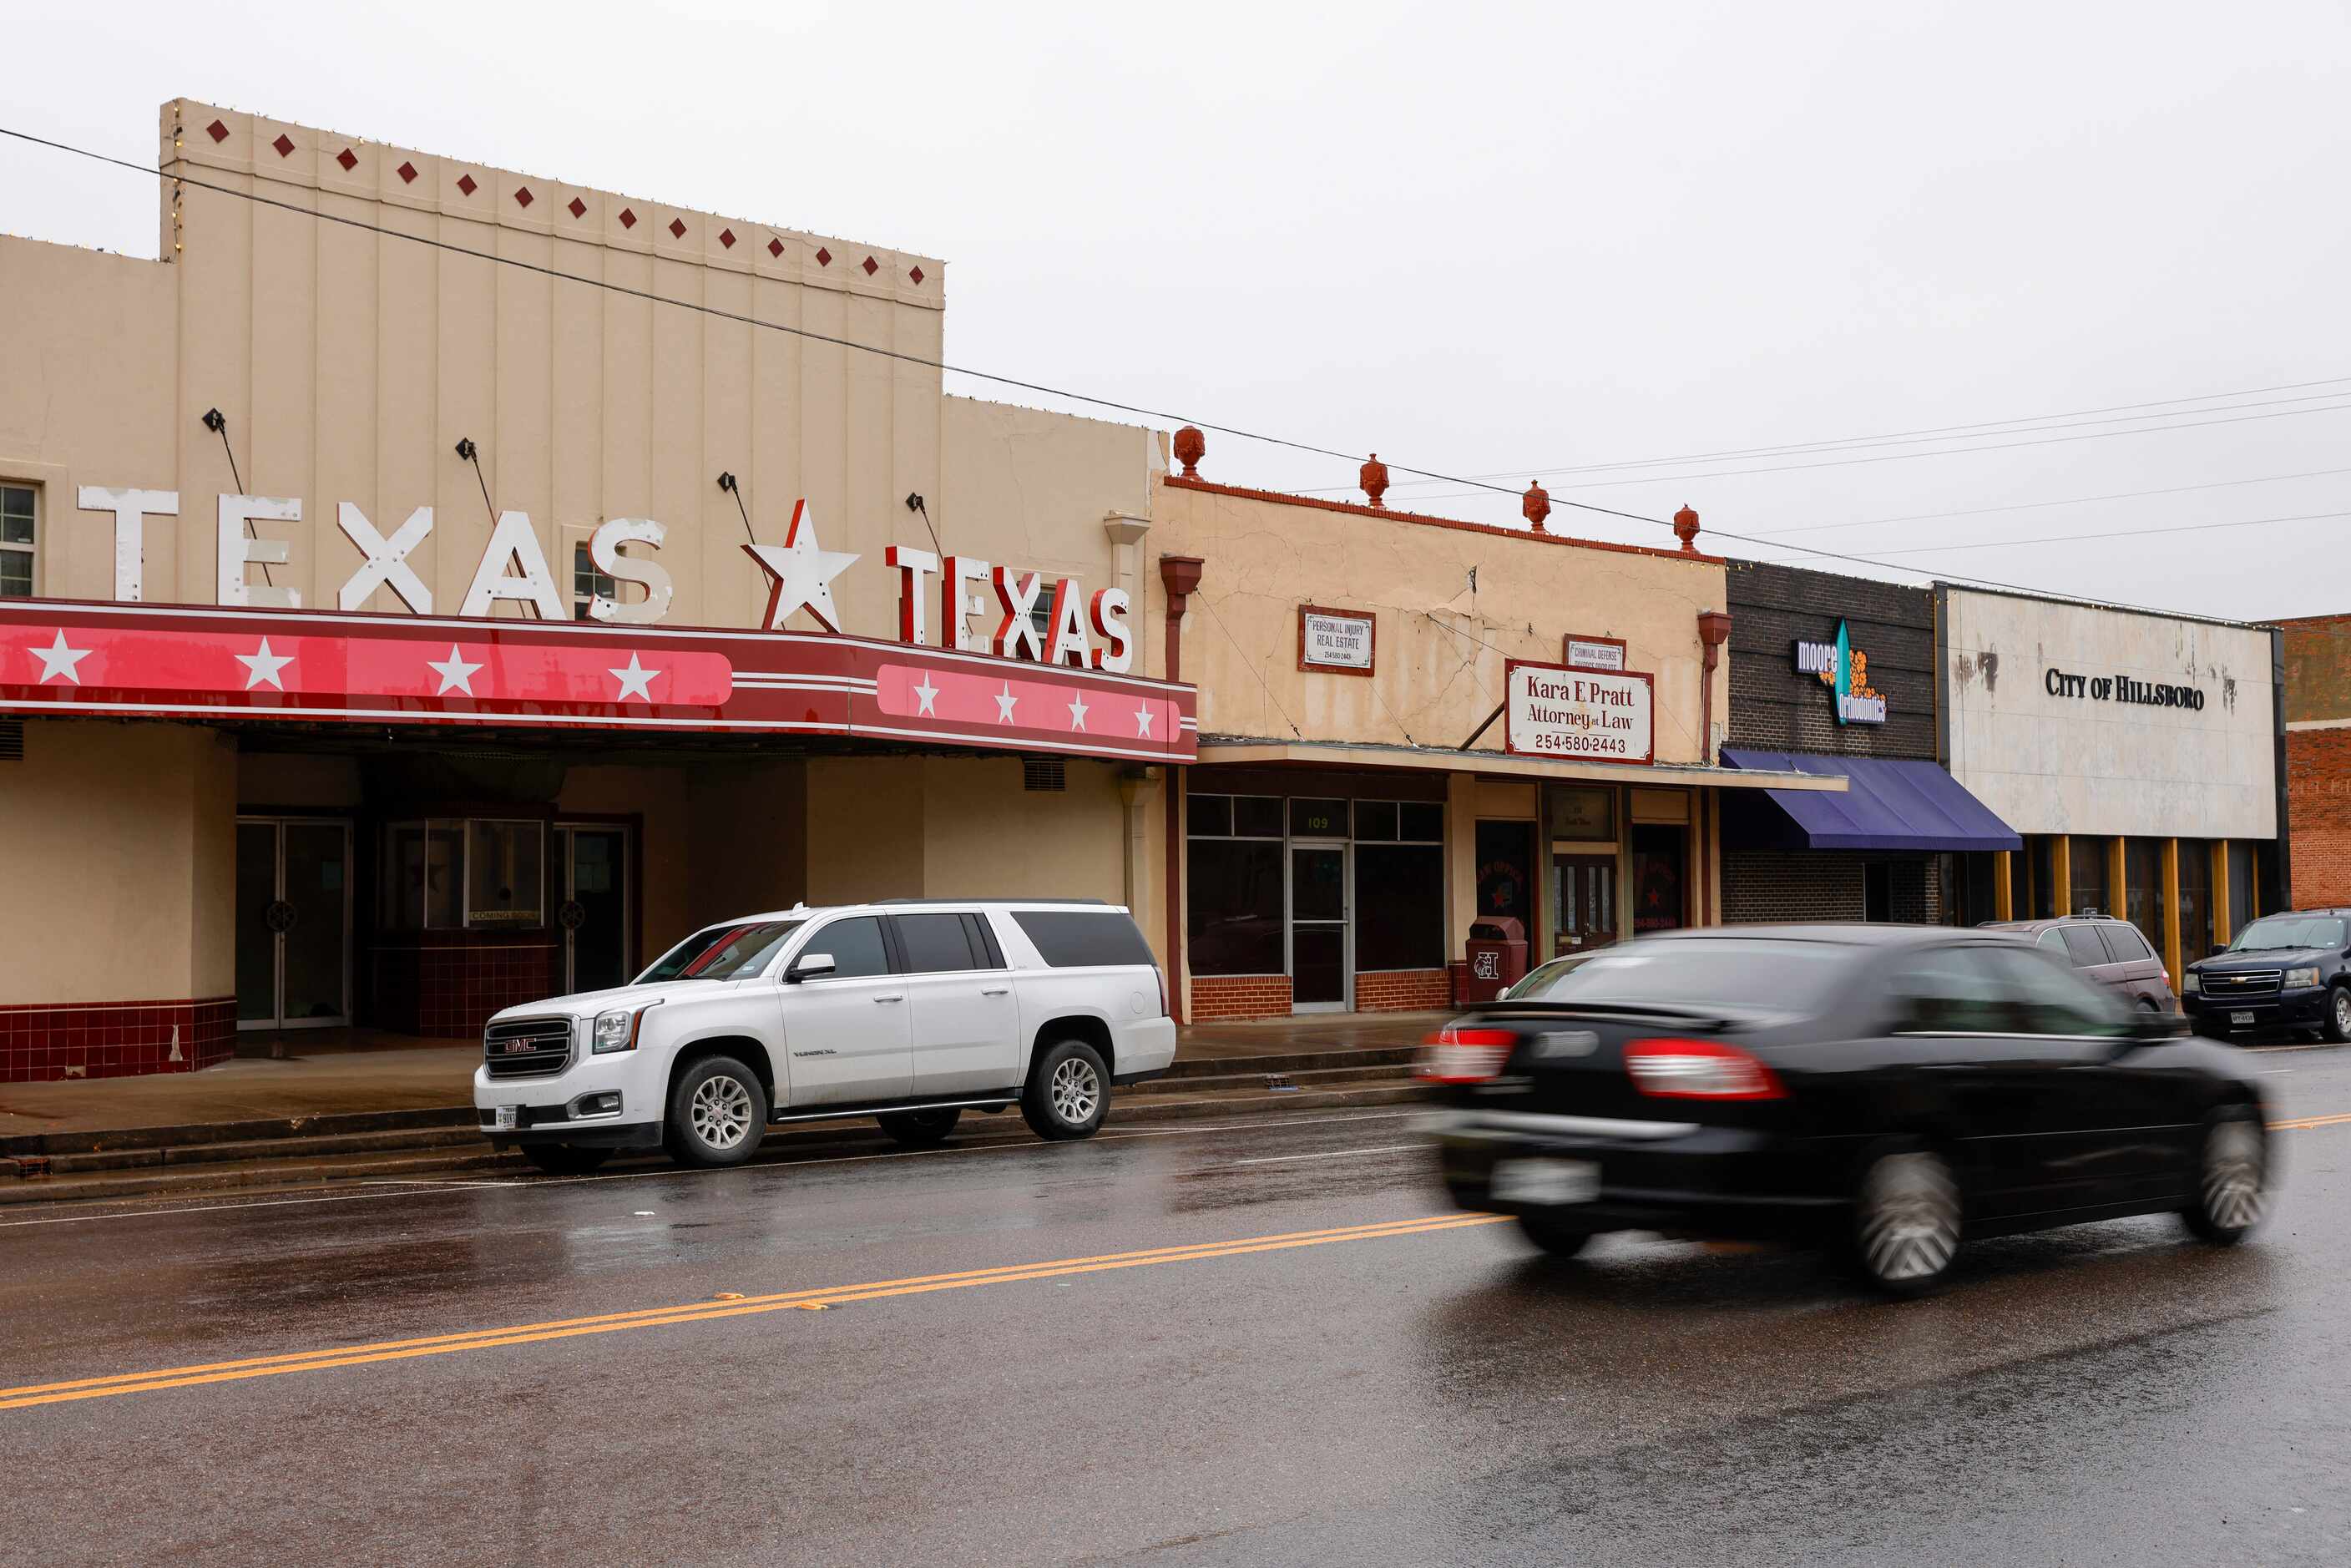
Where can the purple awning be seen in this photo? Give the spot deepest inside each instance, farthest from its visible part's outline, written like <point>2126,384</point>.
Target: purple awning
<point>1890,803</point>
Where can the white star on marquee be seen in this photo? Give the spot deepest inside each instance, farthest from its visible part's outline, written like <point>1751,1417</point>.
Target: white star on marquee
<point>1004,702</point>
<point>799,573</point>
<point>1077,710</point>
<point>265,665</point>
<point>58,661</point>
<point>925,694</point>
<point>1143,721</point>
<point>456,676</point>
<point>634,680</point>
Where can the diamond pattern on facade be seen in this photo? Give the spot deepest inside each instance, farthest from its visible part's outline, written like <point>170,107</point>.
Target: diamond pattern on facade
<point>216,130</point>
<point>578,208</point>
<point>522,195</point>
<point>628,219</point>
<point>408,173</point>
<point>285,145</point>
<point>348,158</point>
<point>872,267</point>
<point>678,228</point>
<point>917,274</point>
<point>465,183</point>
<point>824,257</point>
<point>774,246</point>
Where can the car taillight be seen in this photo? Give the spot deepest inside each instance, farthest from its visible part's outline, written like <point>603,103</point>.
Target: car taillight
<point>1160,975</point>
<point>1698,1069</point>
<point>1463,1055</point>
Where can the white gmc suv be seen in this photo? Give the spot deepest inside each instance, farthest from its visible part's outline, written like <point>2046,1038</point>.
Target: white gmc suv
<point>909,1010</point>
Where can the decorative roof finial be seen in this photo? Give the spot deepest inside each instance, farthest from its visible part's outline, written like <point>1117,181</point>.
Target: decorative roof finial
<point>1537,506</point>
<point>1190,447</point>
<point>1375,478</point>
<point>1686,525</point>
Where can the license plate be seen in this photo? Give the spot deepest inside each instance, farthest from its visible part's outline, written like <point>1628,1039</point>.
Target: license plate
<point>505,1118</point>
<point>1546,1181</point>
<point>2241,1018</point>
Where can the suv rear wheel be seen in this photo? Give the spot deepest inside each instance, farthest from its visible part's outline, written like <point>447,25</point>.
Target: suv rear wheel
<point>718,1113</point>
<point>921,1129</point>
<point>1069,1090</point>
<point>2338,1014</point>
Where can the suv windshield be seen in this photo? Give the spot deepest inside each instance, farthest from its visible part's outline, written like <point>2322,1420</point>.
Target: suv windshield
<point>1697,971</point>
<point>2277,931</point>
<point>722,952</point>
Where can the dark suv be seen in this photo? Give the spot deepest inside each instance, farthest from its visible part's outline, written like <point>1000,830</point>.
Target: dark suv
<point>2283,971</point>
<point>2105,949</point>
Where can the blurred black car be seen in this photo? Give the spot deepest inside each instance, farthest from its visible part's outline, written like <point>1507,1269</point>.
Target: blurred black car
<point>1886,1091</point>
<point>2283,971</point>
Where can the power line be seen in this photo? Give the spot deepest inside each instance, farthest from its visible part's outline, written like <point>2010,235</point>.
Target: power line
<point>901,356</point>
<point>1906,437</point>
<point>2113,534</point>
<point>2066,501</point>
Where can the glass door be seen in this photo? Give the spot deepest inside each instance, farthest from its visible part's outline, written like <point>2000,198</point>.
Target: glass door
<point>1319,966</point>
<point>293,922</point>
<point>594,912</point>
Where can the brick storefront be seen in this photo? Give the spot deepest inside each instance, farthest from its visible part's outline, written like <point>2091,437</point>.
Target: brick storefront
<point>2318,758</point>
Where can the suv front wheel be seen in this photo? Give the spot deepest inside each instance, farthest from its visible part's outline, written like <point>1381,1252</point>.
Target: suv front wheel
<point>718,1113</point>
<point>2338,1014</point>
<point>1069,1090</point>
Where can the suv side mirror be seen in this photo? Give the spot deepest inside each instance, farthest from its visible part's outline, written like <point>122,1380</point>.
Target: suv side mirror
<point>808,967</point>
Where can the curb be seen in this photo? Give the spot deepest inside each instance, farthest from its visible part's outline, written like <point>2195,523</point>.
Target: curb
<point>300,1172</point>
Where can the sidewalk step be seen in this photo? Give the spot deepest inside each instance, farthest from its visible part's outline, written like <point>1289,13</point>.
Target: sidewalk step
<point>326,1145</point>
<point>1292,1061</point>
<point>1353,1072</point>
<point>237,1132</point>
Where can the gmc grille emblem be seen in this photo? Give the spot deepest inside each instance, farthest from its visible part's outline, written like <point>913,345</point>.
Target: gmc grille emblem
<point>520,1047</point>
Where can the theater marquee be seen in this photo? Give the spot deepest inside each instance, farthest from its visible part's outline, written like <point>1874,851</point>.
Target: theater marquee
<point>197,661</point>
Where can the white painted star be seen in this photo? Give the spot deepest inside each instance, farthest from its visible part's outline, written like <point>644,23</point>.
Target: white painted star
<point>925,694</point>
<point>58,661</point>
<point>1143,720</point>
<point>1077,710</point>
<point>1004,701</point>
<point>456,676</point>
<point>265,665</point>
<point>799,573</point>
<point>634,680</point>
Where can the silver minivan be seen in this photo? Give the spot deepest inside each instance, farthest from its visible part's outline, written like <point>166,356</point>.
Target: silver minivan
<point>2107,950</point>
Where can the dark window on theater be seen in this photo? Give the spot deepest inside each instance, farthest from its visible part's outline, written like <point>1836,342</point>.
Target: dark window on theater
<point>586,582</point>
<point>856,945</point>
<point>935,944</point>
<point>1234,863</point>
<point>16,541</point>
<point>1077,939</point>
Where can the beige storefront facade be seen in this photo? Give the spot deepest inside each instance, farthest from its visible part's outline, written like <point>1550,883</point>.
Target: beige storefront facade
<point>427,587</point>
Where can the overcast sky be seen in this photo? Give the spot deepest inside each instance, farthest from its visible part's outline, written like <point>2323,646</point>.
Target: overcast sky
<point>1505,242</point>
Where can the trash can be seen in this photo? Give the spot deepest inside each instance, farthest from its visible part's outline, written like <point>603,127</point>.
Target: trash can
<point>1497,957</point>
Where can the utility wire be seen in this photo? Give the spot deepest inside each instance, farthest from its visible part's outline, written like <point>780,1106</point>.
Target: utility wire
<point>2065,501</point>
<point>541,269</point>
<point>1904,437</point>
<point>2113,534</point>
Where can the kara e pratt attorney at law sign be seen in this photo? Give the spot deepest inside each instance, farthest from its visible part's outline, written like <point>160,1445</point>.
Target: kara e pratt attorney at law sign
<point>1083,632</point>
<point>1553,710</point>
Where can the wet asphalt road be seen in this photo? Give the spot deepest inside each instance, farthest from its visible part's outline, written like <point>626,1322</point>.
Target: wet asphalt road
<point>1405,1394</point>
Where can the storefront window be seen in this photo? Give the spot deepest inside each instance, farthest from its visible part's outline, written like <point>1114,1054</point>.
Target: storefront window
<point>2242,908</point>
<point>1506,854</point>
<point>1318,818</point>
<point>2088,863</point>
<point>476,874</point>
<point>1234,894</point>
<point>2143,888</point>
<point>2195,900</point>
<point>1659,878</point>
<point>1399,886</point>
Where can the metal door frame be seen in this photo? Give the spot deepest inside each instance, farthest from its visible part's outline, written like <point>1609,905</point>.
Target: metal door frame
<point>1345,922</point>
<point>562,832</point>
<point>278,826</point>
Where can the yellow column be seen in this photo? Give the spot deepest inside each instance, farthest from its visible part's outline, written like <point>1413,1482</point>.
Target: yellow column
<point>2220,929</point>
<point>2061,873</point>
<point>2117,891</point>
<point>2003,896</point>
<point>2171,911</point>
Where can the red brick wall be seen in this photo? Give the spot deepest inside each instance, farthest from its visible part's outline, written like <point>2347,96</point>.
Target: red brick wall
<point>1238,997</point>
<point>41,1043</point>
<point>1404,990</point>
<point>2318,809</point>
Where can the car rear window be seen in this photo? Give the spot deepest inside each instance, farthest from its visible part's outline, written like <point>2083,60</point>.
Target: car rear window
<point>1076,939</point>
<point>2082,946</point>
<point>722,952</point>
<point>2126,943</point>
<point>1703,971</point>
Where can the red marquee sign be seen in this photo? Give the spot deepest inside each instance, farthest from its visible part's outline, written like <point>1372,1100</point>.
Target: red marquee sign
<point>70,658</point>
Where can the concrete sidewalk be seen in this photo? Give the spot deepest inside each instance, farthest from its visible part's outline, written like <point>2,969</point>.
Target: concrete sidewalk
<point>352,1073</point>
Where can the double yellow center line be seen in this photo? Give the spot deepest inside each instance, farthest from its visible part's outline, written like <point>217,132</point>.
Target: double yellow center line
<point>2302,1124</point>
<point>706,1311</point>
